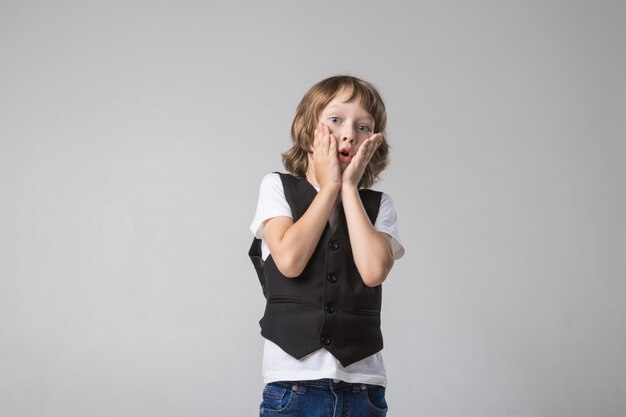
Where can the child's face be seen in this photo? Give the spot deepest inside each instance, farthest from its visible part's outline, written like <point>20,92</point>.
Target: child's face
<point>349,123</point>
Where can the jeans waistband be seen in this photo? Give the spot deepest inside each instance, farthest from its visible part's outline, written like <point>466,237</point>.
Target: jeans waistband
<point>327,383</point>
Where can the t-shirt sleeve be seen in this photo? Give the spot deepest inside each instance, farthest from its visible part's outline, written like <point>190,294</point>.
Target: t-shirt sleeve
<point>387,222</point>
<point>272,203</point>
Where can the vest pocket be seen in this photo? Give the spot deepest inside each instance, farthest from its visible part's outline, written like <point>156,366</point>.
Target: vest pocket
<point>367,312</point>
<point>282,299</point>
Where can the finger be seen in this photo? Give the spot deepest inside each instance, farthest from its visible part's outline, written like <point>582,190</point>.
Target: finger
<point>374,148</point>
<point>372,142</point>
<point>332,148</point>
<point>366,146</point>
<point>376,136</point>
<point>369,149</point>
<point>377,140</point>
<point>325,139</point>
<point>319,136</point>
<point>316,134</point>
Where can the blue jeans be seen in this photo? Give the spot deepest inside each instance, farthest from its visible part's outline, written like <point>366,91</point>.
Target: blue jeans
<point>323,398</point>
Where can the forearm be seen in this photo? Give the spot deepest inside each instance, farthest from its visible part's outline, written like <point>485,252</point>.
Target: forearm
<point>371,249</point>
<point>292,244</point>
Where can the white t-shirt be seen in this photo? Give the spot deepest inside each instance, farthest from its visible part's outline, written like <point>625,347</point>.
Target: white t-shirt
<point>278,365</point>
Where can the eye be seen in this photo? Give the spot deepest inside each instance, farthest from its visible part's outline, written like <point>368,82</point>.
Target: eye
<point>363,128</point>
<point>334,120</point>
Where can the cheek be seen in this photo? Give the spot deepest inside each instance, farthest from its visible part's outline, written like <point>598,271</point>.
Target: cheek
<point>364,135</point>
<point>361,140</point>
<point>334,130</point>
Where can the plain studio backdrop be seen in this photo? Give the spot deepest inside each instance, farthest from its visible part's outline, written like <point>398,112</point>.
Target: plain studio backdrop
<point>133,138</point>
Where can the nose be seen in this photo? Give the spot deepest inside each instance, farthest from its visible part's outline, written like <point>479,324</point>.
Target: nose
<point>348,134</point>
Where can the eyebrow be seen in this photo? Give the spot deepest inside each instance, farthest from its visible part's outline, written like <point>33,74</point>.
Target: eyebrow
<point>368,116</point>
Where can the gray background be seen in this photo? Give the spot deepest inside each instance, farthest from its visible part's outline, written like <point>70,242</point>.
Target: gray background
<point>134,135</point>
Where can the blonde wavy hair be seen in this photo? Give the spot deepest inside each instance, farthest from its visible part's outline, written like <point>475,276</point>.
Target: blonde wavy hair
<point>307,116</point>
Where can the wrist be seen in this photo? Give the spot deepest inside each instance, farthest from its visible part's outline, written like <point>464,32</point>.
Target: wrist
<point>349,181</point>
<point>349,188</point>
<point>330,188</point>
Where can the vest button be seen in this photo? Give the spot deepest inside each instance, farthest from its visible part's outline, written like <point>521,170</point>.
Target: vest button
<point>333,245</point>
<point>330,309</point>
<point>325,340</point>
<point>332,278</point>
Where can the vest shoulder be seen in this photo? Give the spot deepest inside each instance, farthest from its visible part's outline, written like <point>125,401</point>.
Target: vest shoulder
<point>285,176</point>
<point>369,191</point>
<point>294,183</point>
<point>369,195</point>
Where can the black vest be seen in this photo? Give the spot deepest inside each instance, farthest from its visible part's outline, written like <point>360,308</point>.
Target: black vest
<point>328,305</point>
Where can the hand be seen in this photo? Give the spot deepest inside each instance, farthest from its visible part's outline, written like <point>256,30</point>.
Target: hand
<point>324,163</point>
<point>354,171</point>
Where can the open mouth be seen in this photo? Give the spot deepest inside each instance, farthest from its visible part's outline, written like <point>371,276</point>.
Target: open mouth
<point>345,156</point>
